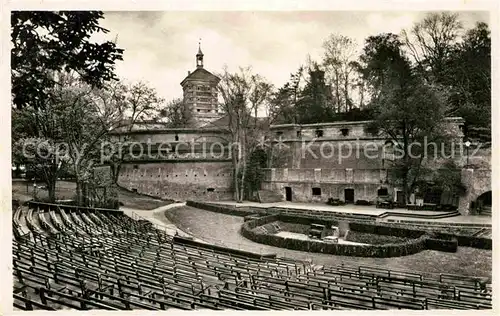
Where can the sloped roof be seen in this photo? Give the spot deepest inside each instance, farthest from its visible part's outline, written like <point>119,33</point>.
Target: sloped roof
<point>201,74</point>
<point>223,122</point>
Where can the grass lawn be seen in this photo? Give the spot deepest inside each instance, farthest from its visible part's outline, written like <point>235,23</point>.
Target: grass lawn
<point>212,226</point>
<point>65,190</point>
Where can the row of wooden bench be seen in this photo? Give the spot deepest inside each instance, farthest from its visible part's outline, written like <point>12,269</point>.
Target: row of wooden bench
<point>63,264</point>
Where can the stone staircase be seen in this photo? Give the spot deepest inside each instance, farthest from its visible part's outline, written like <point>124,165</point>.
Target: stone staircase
<point>486,211</point>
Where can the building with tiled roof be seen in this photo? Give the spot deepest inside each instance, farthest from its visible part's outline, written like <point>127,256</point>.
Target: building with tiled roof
<point>200,93</point>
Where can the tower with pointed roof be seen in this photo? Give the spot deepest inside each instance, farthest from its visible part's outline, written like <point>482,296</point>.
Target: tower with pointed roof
<point>200,93</point>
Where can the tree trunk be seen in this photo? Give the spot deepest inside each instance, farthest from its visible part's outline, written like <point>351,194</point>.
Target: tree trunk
<point>346,93</point>
<point>51,188</point>
<point>17,172</point>
<point>78,190</point>
<point>406,166</point>
<point>242,182</point>
<point>235,176</point>
<point>115,170</point>
<point>50,176</point>
<point>84,194</point>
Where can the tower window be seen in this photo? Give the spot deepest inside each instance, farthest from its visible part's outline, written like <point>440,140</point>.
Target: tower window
<point>299,133</point>
<point>319,133</point>
<point>316,191</point>
<point>344,131</point>
<point>197,110</point>
<point>176,138</point>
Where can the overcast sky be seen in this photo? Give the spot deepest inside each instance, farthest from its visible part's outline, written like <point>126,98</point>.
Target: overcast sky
<point>160,47</point>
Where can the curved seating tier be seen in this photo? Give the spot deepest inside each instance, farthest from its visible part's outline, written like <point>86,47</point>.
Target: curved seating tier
<point>92,259</point>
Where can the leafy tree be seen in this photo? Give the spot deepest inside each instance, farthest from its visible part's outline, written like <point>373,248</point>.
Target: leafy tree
<point>314,104</point>
<point>460,63</point>
<point>44,41</point>
<point>407,110</point>
<point>254,174</point>
<point>468,71</point>
<point>283,102</point>
<point>382,57</point>
<point>44,160</point>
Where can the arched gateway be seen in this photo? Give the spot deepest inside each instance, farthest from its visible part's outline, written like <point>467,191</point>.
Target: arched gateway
<point>478,194</point>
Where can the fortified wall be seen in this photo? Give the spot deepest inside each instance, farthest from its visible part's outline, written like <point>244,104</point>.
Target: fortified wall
<point>315,162</point>
<point>180,164</point>
<point>317,185</point>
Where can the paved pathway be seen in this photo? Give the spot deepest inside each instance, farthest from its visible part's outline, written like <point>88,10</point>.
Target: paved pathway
<point>459,219</point>
<point>158,219</point>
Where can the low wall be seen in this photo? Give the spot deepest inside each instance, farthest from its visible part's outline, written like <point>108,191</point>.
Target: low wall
<point>237,252</point>
<point>47,206</point>
<point>220,209</point>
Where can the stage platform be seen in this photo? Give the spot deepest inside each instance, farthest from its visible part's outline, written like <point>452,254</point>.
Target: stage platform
<point>400,214</point>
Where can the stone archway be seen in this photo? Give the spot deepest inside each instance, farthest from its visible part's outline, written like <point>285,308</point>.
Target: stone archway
<point>477,182</point>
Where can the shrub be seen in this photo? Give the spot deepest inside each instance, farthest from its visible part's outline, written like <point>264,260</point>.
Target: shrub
<point>220,208</point>
<point>382,251</point>
<point>374,239</point>
<point>335,202</point>
<point>441,244</point>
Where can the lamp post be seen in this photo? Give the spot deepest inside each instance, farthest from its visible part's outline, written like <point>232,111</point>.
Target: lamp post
<point>467,145</point>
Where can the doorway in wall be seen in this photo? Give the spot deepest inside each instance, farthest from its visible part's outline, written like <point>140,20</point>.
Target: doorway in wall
<point>400,198</point>
<point>288,193</point>
<point>349,195</point>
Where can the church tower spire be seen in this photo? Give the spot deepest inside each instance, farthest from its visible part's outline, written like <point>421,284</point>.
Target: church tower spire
<point>199,56</point>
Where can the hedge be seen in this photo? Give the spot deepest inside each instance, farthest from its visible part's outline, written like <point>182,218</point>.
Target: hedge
<point>386,230</point>
<point>441,244</point>
<point>374,239</point>
<point>468,241</point>
<point>355,224</point>
<point>380,251</point>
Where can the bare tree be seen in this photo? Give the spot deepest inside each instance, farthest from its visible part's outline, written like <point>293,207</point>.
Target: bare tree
<point>339,53</point>
<point>430,41</point>
<point>242,94</point>
<point>136,103</point>
<point>175,114</point>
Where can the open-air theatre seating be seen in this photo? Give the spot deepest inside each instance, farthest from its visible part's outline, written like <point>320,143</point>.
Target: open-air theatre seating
<point>92,259</point>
